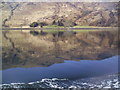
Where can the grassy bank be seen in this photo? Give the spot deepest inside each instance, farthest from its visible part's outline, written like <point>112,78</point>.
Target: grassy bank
<point>55,26</point>
<point>90,27</point>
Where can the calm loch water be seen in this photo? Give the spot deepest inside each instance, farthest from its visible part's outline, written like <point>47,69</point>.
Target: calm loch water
<point>71,70</point>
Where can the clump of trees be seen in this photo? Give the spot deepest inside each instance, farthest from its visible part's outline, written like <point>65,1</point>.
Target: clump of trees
<point>65,23</point>
<point>36,24</point>
<point>62,22</point>
<point>58,23</point>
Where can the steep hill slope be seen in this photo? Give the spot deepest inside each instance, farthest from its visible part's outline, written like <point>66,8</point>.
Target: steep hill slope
<point>94,14</point>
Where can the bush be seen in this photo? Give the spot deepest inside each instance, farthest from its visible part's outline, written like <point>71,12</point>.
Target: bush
<point>54,23</point>
<point>34,24</point>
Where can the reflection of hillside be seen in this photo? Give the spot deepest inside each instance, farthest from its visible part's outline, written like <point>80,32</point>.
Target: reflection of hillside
<point>45,50</point>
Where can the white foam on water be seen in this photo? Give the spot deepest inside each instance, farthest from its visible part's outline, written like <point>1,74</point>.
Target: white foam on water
<point>110,82</point>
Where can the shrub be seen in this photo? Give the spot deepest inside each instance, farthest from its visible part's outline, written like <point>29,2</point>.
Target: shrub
<point>34,24</point>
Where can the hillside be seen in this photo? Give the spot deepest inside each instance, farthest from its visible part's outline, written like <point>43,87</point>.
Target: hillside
<point>92,14</point>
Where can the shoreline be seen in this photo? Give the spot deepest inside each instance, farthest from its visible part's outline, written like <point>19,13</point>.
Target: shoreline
<point>69,29</point>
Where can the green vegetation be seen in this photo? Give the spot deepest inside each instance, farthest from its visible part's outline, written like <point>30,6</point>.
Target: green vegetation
<point>83,26</point>
<point>55,31</point>
<point>85,30</point>
<point>89,27</point>
<point>64,23</point>
<point>60,24</point>
<point>53,26</point>
<point>34,24</point>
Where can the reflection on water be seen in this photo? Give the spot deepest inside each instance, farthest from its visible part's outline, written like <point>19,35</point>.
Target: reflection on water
<point>35,49</point>
<point>68,69</point>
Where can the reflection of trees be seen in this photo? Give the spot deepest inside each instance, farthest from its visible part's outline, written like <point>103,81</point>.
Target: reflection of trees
<point>21,26</point>
<point>64,46</point>
<point>56,44</point>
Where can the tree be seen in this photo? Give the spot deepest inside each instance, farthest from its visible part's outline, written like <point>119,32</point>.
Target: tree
<point>21,25</point>
<point>54,23</point>
<point>41,24</point>
<point>65,23</point>
<point>34,24</point>
<point>60,23</point>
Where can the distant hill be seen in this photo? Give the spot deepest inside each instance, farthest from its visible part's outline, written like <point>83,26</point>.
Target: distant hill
<point>92,14</point>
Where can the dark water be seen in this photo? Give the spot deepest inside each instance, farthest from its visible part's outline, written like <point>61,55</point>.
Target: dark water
<point>71,70</point>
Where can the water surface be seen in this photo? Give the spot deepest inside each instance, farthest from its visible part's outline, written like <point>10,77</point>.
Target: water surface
<point>69,70</point>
